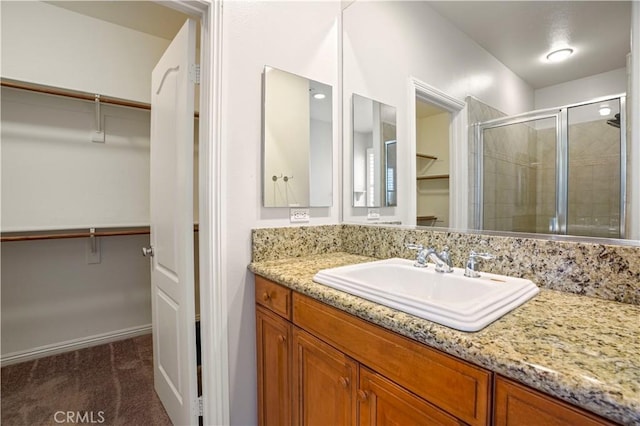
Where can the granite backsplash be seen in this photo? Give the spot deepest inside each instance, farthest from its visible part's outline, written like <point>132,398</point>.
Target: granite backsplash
<point>610,272</point>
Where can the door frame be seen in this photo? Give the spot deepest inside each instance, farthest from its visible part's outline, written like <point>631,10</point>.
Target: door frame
<point>458,151</point>
<point>213,297</point>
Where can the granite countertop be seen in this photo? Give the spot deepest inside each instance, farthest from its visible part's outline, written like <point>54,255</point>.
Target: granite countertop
<point>583,350</point>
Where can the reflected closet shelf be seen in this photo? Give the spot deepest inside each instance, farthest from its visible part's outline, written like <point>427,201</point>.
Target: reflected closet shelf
<point>431,177</point>
<point>427,156</point>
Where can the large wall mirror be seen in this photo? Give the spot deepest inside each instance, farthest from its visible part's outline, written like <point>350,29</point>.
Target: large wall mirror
<point>374,153</point>
<point>459,49</point>
<point>297,141</point>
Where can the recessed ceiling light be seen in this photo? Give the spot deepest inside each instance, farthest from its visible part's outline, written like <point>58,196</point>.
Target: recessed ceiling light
<point>559,55</point>
<point>319,96</point>
<point>604,110</point>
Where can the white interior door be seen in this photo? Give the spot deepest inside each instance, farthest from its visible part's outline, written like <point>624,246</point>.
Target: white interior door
<point>172,267</point>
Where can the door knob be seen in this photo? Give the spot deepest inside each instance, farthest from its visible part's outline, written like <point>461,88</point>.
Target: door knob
<point>147,251</point>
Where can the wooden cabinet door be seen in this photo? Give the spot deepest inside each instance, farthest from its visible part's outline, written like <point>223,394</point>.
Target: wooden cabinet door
<point>517,405</point>
<point>324,382</point>
<point>274,368</point>
<point>384,403</point>
<point>454,385</point>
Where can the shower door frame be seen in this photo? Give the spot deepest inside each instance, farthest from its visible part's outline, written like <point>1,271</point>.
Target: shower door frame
<point>561,116</point>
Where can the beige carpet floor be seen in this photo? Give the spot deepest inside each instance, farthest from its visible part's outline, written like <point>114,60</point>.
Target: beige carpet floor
<point>109,384</point>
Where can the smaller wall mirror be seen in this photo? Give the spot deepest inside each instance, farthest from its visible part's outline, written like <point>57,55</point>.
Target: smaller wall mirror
<point>374,154</point>
<point>297,141</point>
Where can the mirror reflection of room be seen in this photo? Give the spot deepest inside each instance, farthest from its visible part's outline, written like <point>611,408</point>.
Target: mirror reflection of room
<point>432,164</point>
<point>555,171</point>
<point>374,153</point>
<point>492,80</point>
<point>298,136</point>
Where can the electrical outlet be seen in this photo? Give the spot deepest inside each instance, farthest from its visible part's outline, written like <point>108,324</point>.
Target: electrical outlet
<point>373,214</point>
<point>299,215</point>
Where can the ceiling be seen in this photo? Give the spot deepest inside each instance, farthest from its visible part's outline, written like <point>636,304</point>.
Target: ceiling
<point>145,16</point>
<point>520,33</point>
<point>517,33</point>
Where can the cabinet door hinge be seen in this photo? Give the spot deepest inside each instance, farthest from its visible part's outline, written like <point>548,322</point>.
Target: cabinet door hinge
<point>194,73</point>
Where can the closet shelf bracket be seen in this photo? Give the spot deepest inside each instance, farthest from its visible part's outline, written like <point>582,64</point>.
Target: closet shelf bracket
<point>98,135</point>
<point>92,239</point>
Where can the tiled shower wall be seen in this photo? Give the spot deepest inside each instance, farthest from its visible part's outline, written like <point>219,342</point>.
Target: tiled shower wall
<point>510,178</point>
<point>594,180</point>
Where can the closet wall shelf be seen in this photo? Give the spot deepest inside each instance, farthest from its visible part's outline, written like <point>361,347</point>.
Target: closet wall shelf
<point>430,177</point>
<point>48,90</point>
<point>427,156</point>
<point>75,233</point>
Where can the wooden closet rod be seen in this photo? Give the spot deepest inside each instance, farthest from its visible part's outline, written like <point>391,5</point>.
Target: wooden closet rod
<point>72,94</point>
<point>48,90</point>
<point>53,235</point>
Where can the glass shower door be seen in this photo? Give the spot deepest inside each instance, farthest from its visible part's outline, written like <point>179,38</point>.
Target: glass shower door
<point>555,171</point>
<point>518,174</point>
<point>595,196</point>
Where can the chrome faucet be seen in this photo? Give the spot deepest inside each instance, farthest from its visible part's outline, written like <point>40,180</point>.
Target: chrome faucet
<point>472,263</point>
<point>442,259</point>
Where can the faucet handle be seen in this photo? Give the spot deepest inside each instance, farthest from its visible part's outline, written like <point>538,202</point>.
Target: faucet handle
<point>421,257</point>
<point>470,268</point>
<point>445,257</point>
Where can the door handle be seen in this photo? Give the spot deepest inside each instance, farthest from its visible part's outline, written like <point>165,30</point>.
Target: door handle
<point>147,251</point>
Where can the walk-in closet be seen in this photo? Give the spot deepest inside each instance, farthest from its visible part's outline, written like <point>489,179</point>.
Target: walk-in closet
<point>75,173</point>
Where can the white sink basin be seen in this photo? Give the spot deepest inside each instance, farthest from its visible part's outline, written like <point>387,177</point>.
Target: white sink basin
<point>451,299</point>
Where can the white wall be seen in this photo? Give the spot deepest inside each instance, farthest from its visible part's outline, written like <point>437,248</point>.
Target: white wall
<point>320,164</point>
<point>50,294</point>
<point>298,37</point>
<point>384,44</point>
<point>49,45</point>
<point>584,89</point>
<point>361,142</point>
<point>55,177</point>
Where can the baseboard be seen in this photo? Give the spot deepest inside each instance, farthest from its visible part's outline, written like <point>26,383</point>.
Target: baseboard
<point>72,345</point>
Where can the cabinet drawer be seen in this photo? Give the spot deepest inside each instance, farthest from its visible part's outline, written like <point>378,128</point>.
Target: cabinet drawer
<point>518,405</point>
<point>453,385</point>
<point>273,296</point>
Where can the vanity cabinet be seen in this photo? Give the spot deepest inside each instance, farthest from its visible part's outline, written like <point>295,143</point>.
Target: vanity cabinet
<point>320,365</point>
<point>334,368</point>
<point>518,405</point>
